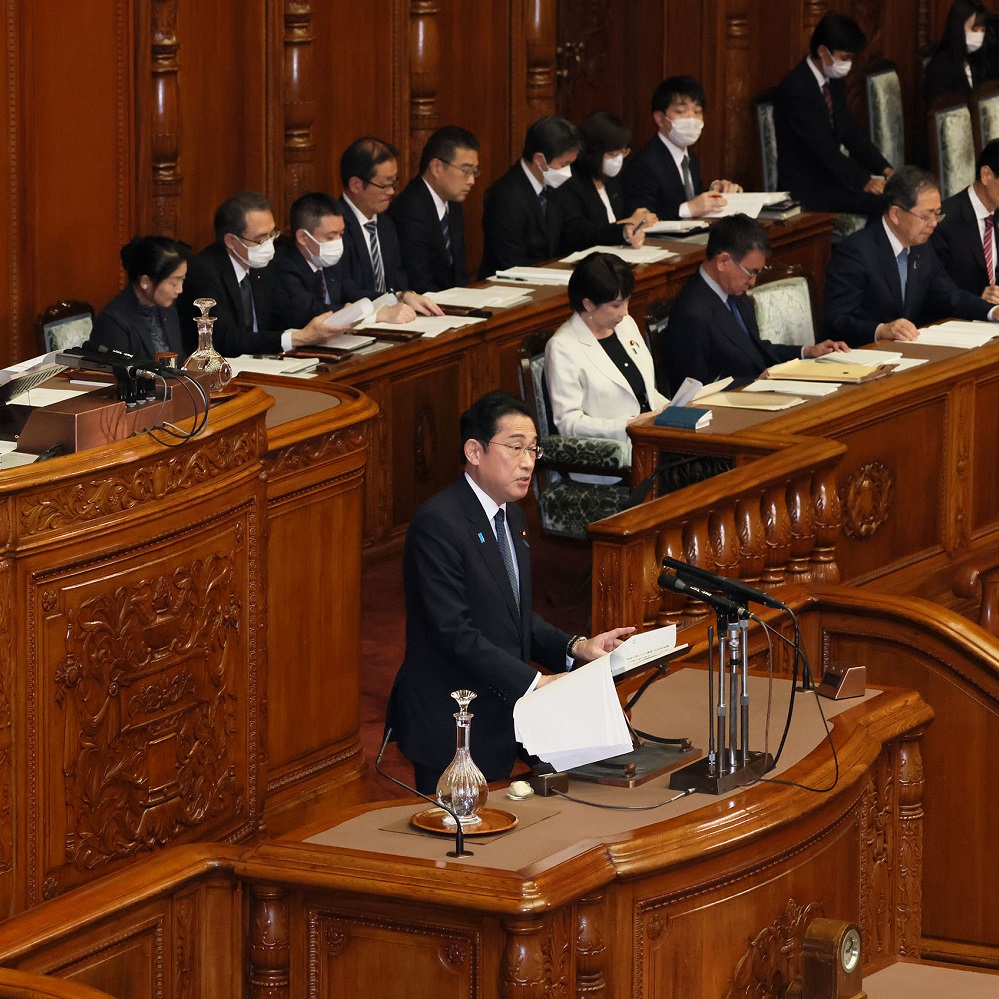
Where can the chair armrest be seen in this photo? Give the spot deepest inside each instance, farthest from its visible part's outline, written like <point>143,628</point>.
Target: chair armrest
<point>592,455</point>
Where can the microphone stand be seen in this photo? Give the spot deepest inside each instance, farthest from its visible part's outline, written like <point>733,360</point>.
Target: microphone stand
<point>459,834</point>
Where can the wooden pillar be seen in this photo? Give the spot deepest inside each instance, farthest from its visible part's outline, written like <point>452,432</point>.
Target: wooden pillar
<point>909,903</point>
<point>269,944</point>
<point>299,100</point>
<point>740,123</point>
<point>165,125</point>
<point>540,43</point>
<point>591,949</point>
<point>424,61</point>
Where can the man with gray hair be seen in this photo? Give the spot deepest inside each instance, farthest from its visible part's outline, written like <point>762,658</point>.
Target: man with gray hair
<point>885,281</point>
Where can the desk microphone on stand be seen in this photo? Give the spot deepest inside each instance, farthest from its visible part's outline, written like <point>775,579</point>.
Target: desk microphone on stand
<point>459,834</point>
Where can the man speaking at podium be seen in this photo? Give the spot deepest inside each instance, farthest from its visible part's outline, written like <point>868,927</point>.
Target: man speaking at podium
<point>469,622</point>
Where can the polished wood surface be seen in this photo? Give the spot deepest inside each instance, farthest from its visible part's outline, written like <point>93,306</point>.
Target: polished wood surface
<point>139,116</point>
<point>146,699</point>
<point>620,912</point>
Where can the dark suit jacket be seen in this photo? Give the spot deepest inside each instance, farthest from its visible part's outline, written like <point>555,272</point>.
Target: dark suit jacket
<point>516,232</point>
<point>300,300</point>
<point>121,325</point>
<point>464,629</point>
<point>584,215</point>
<point>355,266</point>
<point>810,163</point>
<point>651,179</point>
<point>863,288</point>
<point>704,340</point>
<point>422,239</point>
<point>210,275</point>
<point>945,75</point>
<point>958,243</point>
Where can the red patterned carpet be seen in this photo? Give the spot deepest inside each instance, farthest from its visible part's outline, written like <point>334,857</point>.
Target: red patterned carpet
<point>562,596</point>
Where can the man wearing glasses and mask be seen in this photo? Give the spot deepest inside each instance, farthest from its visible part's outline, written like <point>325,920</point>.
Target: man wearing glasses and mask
<point>428,215</point>
<point>886,281</point>
<point>469,620</point>
<point>372,261</point>
<point>712,330</point>
<point>234,271</point>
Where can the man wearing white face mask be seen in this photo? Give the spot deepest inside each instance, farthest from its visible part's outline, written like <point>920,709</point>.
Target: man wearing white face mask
<point>521,222</point>
<point>812,123</point>
<point>665,175</point>
<point>234,271</point>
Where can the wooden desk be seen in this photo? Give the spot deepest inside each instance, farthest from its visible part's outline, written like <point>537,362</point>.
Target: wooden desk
<point>138,704</point>
<point>422,387</point>
<point>582,901</point>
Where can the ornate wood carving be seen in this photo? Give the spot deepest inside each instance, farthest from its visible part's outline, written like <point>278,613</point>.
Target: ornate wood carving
<point>186,946</point>
<point>878,852</point>
<point>540,38</point>
<point>7,796</point>
<point>524,967</point>
<point>424,62</point>
<point>867,498</point>
<point>124,489</point>
<point>315,451</point>
<point>269,943</point>
<point>777,530</point>
<point>165,125</point>
<point>425,443</point>
<point>299,99</point>
<point>828,521</point>
<point>773,959</point>
<point>739,120</point>
<point>909,904</point>
<point>815,10</point>
<point>800,511</point>
<point>752,539</point>
<point>591,948</point>
<point>149,711</point>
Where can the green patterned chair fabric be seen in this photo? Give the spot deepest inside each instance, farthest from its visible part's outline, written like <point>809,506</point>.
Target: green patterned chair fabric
<point>953,148</point>
<point>884,107</point>
<point>985,113</point>
<point>783,298</point>
<point>768,139</point>
<point>846,225</point>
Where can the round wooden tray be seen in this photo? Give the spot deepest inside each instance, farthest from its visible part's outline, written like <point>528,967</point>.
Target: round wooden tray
<point>494,820</point>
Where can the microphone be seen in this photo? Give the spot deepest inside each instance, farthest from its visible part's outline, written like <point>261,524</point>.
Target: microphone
<point>123,357</point>
<point>669,582</point>
<point>733,587</point>
<point>459,833</point>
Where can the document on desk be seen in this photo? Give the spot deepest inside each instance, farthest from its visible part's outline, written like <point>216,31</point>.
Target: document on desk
<point>962,335</point>
<point>429,326</point>
<point>749,203</point>
<point>575,720</point>
<point>815,371</point>
<point>766,401</point>
<point>785,386</point>
<point>270,366</point>
<point>860,356</point>
<point>493,297</point>
<point>675,227</point>
<point>631,254</point>
<point>534,275</point>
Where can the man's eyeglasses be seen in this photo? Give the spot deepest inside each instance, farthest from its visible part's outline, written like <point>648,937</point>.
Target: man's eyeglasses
<point>534,450</point>
<point>750,274</point>
<point>468,171</point>
<point>273,234</point>
<point>933,217</point>
<point>383,187</point>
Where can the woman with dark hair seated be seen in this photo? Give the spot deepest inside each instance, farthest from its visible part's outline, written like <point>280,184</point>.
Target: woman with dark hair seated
<point>599,371</point>
<point>960,61</point>
<point>142,318</point>
<point>592,201</point>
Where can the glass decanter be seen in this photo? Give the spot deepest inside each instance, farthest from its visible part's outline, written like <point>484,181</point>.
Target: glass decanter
<point>206,358</point>
<point>462,785</point>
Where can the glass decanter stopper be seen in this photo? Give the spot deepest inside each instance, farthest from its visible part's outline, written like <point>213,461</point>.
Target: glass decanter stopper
<point>462,785</point>
<point>206,358</point>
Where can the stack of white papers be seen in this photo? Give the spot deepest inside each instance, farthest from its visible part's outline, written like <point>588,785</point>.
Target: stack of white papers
<point>642,648</point>
<point>860,356</point>
<point>429,326</point>
<point>575,720</point>
<point>785,386</point>
<point>747,203</point>
<point>753,400</point>
<point>495,296</point>
<point>291,366</point>
<point>632,254</point>
<point>691,390</point>
<point>667,226</point>
<point>534,275</point>
<point>963,335</point>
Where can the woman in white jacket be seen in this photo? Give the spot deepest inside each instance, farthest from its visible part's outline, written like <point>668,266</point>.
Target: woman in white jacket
<point>600,373</point>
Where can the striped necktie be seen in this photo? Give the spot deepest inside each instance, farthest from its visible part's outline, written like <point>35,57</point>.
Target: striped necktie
<point>446,230</point>
<point>377,267</point>
<point>688,182</point>
<point>988,244</point>
<point>504,546</point>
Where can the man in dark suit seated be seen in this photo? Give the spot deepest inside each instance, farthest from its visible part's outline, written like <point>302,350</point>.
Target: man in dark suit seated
<point>885,281</point>
<point>965,239</point>
<point>665,175</point>
<point>234,271</point>
<point>372,259</point>
<point>812,122</point>
<point>712,331</point>
<point>469,618</point>
<point>521,223</point>
<point>428,214</point>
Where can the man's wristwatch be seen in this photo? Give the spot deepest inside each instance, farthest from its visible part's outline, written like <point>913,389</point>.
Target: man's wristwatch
<point>570,649</point>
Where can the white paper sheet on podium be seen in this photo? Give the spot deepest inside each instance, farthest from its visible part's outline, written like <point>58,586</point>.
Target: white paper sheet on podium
<point>575,720</point>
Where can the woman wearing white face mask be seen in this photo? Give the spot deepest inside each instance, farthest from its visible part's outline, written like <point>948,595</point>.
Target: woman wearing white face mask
<point>592,201</point>
<point>960,61</point>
